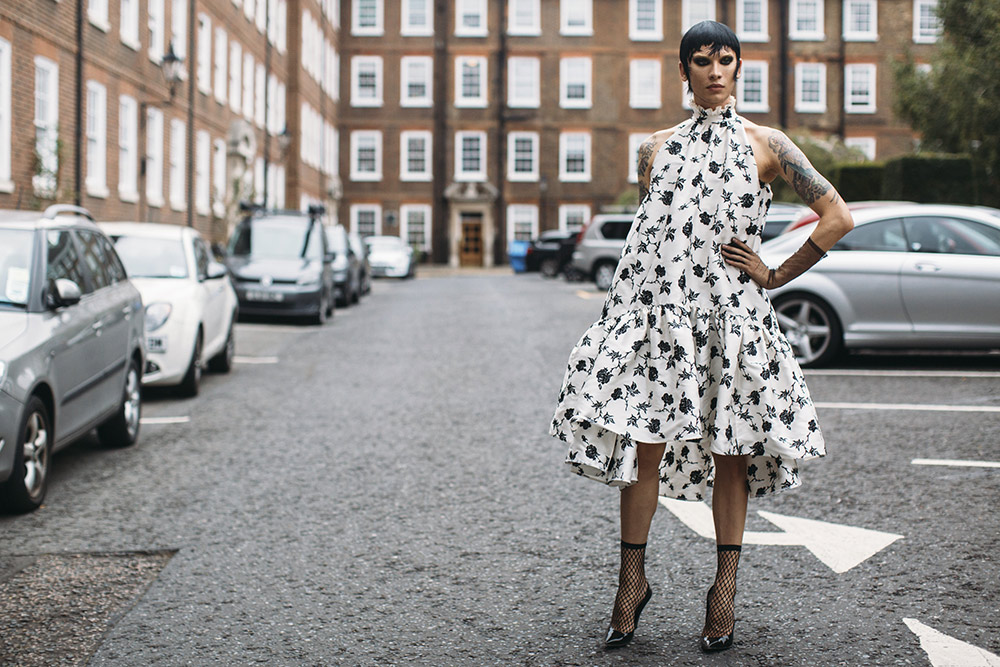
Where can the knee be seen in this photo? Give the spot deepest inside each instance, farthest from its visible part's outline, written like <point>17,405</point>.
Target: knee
<point>726,466</point>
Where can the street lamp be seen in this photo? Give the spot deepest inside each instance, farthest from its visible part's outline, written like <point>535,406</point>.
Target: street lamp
<point>284,141</point>
<point>173,69</point>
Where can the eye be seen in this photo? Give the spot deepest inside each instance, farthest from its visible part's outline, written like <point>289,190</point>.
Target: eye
<point>701,61</point>
<point>726,60</point>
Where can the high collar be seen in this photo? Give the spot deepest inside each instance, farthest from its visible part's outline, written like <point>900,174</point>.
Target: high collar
<point>724,113</point>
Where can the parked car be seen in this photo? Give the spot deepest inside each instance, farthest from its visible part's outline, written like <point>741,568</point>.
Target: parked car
<point>390,257</point>
<point>360,249</point>
<point>71,345</point>
<point>810,216</point>
<point>906,276</point>
<point>346,266</point>
<point>551,252</point>
<point>281,265</point>
<point>780,215</point>
<point>599,247</point>
<point>191,305</point>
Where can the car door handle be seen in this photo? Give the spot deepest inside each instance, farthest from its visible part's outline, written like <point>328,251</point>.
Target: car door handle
<point>96,327</point>
<point>127,312</point>
<point>927,267</point>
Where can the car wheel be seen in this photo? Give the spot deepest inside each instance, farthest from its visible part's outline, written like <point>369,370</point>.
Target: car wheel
<point>25,489</point>
<point>192,379</point>
<point>811,327</point>
<point>604,274</point>
<point>223,361</point>
<point>122,430</point>
<point>356,294</point>
<point>322,309</point>
<point>549,268</point>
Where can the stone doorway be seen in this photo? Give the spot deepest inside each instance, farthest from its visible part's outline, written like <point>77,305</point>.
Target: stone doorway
<point>471,245</point>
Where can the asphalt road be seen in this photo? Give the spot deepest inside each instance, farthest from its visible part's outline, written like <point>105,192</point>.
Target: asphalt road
<point>382,491</point>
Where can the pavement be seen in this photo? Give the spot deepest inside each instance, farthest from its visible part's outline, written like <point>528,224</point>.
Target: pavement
<point>382,490</point>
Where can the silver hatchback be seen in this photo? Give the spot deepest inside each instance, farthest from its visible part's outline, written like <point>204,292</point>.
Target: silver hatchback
<point>71,345</point>
<point>600,247</point>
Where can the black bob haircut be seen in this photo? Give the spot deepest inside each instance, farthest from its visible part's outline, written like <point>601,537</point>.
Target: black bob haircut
<point>707,33</point>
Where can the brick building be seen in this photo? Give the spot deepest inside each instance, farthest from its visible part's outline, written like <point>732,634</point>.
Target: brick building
<point>458,124</point>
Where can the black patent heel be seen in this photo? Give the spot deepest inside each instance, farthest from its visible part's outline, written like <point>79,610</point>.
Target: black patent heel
<point>616,639</point>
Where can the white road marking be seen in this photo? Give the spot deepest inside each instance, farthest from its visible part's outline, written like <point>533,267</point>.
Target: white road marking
<point>955,462</point>
<point>902,373</point>
<point>919,407</point>
<point>839,547</point>
<point>945,651</point>
<point>164,420</point>
<point>271,328</point>
<point>583,294</point>
<point>255,360</point>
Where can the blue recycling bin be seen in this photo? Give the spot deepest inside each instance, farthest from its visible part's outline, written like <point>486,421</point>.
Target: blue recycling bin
<point>518,253</point>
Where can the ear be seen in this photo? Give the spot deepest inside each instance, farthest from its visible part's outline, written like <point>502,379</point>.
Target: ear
<point>739,67</point>
<point>680,69</point>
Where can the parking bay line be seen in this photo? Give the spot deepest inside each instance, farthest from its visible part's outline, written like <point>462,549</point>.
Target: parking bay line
<point>255,360</point>
<point>918,407</point>
<point>151,421</point>
<point>863,372</point>
<point>956,463</point>
<point>583,294</point>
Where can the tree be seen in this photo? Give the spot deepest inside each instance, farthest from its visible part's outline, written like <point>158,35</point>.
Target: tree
<point>956,104</point>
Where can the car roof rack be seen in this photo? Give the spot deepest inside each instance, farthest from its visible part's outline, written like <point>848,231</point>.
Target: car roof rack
<point>66,209</point>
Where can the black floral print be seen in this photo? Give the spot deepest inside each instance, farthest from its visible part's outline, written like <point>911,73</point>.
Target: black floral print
<point>687,350</point>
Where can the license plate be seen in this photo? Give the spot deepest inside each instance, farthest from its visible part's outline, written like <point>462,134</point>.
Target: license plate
<point>156,343</point>
<point>263,295</point>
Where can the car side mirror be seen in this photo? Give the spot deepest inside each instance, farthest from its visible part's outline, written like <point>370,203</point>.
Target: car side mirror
<point>63,293</point>
<point>216,270</point>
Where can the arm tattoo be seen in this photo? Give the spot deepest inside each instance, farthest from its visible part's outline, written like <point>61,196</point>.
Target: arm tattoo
<point>805,180</point>
<point>646,151</point>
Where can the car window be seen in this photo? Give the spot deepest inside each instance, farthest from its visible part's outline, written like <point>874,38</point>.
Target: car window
<point>315,248</point>
<point>882,235</point>
<point>116,271</point>
<point>201,258</point>
<point>952,235</point>
<point>62,259</point>
<point>150,257</point>
<point>15,265</point>
<point>278,237</point>
<point>94,259</point>
<point>616,230</point>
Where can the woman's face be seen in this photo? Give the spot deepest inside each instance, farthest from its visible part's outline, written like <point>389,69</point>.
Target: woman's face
<point>713,76</point>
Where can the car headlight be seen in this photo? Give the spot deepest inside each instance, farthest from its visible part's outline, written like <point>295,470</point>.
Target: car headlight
<point>308,279</point>
<point>156,315</point>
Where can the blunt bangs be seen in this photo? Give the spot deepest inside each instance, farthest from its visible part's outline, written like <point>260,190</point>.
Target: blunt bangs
<point>707,33</point>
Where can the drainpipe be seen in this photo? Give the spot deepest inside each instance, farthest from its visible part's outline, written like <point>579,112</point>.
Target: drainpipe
<point>501,147</point>
<point>783,65</point>
<point>439,158</point>
<point>267,97</point>
<point>190,116</point>
<point>78,111</point>
<point>842,62</point>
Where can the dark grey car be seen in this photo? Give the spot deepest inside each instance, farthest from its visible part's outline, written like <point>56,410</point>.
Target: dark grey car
<point>71,345</point>
<point>346,266</point>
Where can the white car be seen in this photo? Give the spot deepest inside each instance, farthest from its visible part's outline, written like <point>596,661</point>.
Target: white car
<point>389,256</point>
<point>190,302</point>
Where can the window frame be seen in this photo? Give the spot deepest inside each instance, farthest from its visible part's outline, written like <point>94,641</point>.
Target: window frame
<point>635,33</point>
<point>376,30</point>
<point>249,77</point>
<point>808,106</point>
<point>867,145</point>
<point>154,157</point>
<point>761,36</point>
<point>686,11</point>
<point>365,176</point>
<point>157,25</point>
<point>178,30</point>
<point>47,129</point>
<point>96,139</point>
<point>480,101</point>
<point>565,101</point>
<point>356,63</point>
<point>635,140</point>
<point>513,210</point>
<point>405,174</point>
<point>565,175</point>
<point>460,174</point>
<point>919,36</point>
<point>6,112</point>
<point>645,94</point>
<point>514,101</point>
<point>220,71</point>
<point>202,173</point>
<point>235,94</point>
<point>850,35</point>
<point>533,30</point>
<point>128,26</point>
<point>218,178</point>
<point>479,7</point>
<point>565,13</point>
<point>404,224</point>
<point>177,165</point>
<point>406,29</point>
<point>512,173</point>
<point>359,208</point>
<point>816,35</point>
<point>405,80</point>
<point>204,67</point>
<point>564,210</point>
<point>97,14</point>
<point>849,105</point>
<point>741,102</point>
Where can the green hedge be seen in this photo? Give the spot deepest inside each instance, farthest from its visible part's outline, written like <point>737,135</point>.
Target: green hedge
<point>858,181</point>
<point>929,178</point>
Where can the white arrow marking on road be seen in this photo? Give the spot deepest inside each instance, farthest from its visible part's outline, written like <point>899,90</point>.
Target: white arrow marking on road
<point>839,547</point>
<point>945,651</point>
<point>909,406</point>
<point>164,420</point>
<point>255,360</point>
<point>955,462</point>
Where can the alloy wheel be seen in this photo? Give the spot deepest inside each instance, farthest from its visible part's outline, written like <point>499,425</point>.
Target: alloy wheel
<point>807,327</point>
<point>36,454</point>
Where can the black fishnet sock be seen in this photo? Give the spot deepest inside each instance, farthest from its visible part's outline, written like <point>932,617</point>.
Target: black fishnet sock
<point>719,615</point>
<point>632,587</point>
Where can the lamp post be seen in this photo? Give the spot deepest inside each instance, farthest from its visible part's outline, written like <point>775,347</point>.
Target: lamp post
<point>172,66</point>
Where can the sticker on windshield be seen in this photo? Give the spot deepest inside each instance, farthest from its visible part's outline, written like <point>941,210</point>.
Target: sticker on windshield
<point>17,285</point>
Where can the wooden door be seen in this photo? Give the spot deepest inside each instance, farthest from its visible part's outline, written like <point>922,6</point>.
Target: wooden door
<point>471,252</point>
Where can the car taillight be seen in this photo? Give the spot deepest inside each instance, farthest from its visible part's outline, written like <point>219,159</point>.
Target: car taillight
<point>583,230</point>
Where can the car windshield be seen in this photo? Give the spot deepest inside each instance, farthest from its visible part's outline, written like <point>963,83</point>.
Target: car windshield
<point>285,237</point>
<point>383,243</point>
<point>336,240</point>
<point>15,266</point>
<point>150,257</point>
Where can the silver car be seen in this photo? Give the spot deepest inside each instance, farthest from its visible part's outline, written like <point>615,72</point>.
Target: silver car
<point>907,276</point>
<point>71,345</point>
<point>600,247</point>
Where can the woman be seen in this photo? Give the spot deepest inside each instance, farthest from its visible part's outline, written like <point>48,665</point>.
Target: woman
<point>686,379</point>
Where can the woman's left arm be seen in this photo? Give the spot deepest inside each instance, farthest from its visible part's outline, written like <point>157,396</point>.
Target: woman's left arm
<point>834,217</point>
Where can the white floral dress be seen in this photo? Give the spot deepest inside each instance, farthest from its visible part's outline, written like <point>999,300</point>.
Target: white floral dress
<point>688,351</point>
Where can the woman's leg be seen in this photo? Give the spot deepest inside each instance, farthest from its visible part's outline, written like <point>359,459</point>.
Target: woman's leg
<point>638,504</point>
<point>729,510</point>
